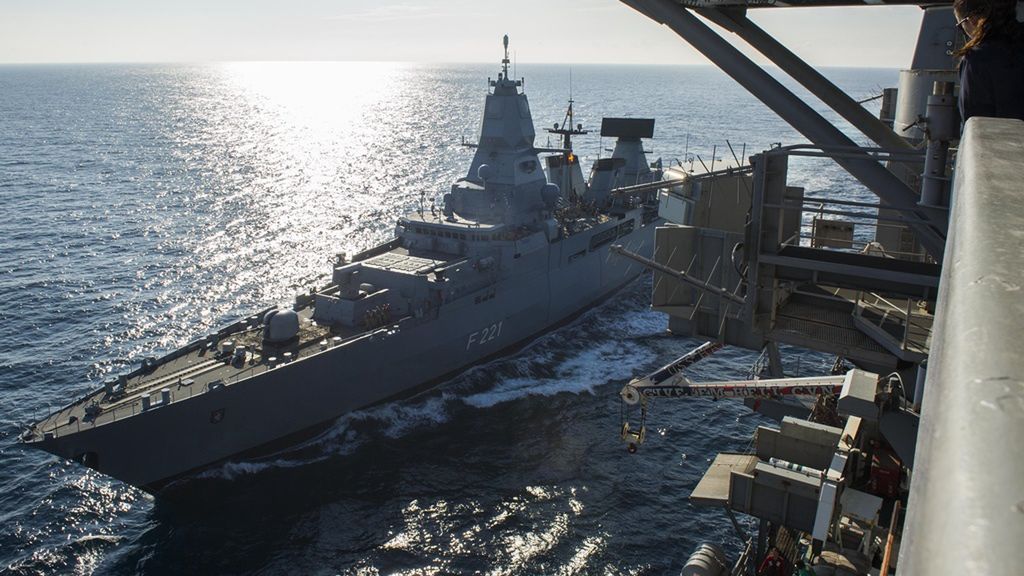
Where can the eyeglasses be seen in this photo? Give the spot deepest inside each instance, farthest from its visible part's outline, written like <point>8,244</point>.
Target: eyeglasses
<point>960,24</point>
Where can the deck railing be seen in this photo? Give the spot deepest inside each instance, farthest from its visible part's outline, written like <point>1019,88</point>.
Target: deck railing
<point>966,507</point>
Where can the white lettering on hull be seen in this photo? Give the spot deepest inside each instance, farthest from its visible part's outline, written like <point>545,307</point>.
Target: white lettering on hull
<point>484,336</point>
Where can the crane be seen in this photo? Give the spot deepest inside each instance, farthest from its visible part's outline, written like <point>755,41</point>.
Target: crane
<point>669,382</point>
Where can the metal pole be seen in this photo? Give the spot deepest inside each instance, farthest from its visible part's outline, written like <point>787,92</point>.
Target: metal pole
<point>941,129</point>
<point>762,540</point>
<point>906,327</point>
<point>922,373</point>
<point>889,541</point>
<point>736,525</point>
<point>681,276</point>
<point>794,111</point>
<point>774,360</point>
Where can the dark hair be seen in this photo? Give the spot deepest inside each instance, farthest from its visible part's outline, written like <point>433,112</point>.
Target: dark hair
<point>995,18</point>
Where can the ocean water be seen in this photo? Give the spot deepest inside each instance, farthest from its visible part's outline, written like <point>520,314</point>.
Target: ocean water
<point>144,205</point>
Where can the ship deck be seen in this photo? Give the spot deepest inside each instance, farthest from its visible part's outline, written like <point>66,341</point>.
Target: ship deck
<point>202,365</point>
<point>191,371</point>
<point>437,218</point>
<point>416,261</point>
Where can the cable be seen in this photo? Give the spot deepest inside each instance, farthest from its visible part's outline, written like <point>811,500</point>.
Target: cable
<point>736,266</point>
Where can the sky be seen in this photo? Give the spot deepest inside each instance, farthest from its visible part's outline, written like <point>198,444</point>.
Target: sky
<point>556,31</point>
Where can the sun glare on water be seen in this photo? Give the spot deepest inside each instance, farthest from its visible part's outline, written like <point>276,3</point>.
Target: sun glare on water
<point>281,169</point>
<point>320,97</point>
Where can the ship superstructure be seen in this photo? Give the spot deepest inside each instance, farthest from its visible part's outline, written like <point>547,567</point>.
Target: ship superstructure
<point>508,255</point>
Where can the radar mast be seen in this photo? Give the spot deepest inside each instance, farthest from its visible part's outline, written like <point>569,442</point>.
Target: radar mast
<point>567,130</point>
<point>504,61</point>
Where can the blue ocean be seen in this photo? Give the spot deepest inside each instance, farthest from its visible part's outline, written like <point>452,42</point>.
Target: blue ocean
<point>146,205</point>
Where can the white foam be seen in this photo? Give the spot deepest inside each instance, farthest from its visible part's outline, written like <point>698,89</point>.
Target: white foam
<point>637,325</point>
<point>233,470</point>
<point>393,420</point>
<point>581,373</point>
<point>100,538</point>
<point>340,438</point>
<point>399,418</point>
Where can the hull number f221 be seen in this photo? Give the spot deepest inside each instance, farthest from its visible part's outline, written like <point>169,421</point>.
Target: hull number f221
<point>484,336</point>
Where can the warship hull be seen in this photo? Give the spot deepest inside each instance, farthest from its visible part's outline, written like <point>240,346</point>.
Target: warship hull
<point>268,410</point>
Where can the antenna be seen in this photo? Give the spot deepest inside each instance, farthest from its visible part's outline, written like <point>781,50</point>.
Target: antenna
<point>569,114</point>
<point>568,128</point>
<point>504,61</point>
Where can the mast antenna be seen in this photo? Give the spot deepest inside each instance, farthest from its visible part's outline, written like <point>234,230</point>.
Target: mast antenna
<point>504,61</point>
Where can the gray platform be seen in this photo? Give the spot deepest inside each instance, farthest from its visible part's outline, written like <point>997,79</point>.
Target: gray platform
<point>713,488</point>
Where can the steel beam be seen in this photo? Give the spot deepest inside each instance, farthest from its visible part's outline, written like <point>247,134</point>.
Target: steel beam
<point>738,23</point>
<point>848,273</point>
<point>795,111</point>
<point>701,285</point>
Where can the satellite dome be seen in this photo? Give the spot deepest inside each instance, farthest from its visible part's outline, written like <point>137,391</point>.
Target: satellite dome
<point>485,172</point>
<point>280,326</point>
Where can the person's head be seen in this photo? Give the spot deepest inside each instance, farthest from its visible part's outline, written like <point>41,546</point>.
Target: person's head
<point>983,19</point>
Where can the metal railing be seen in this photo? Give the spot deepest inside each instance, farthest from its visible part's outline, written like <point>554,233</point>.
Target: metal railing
<point>745,562</point>
<point>915,333</point>
<point>966,507</point>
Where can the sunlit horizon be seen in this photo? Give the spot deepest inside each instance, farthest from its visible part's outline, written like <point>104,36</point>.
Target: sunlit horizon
<point>431,32</point>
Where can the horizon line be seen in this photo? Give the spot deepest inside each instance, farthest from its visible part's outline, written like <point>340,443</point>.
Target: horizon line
<point>392,62</point>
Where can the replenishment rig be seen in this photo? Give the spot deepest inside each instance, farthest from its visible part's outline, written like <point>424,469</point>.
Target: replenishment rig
<point>911,457</point>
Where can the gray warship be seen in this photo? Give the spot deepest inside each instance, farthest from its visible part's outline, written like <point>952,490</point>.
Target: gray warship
<point>518,246</point>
